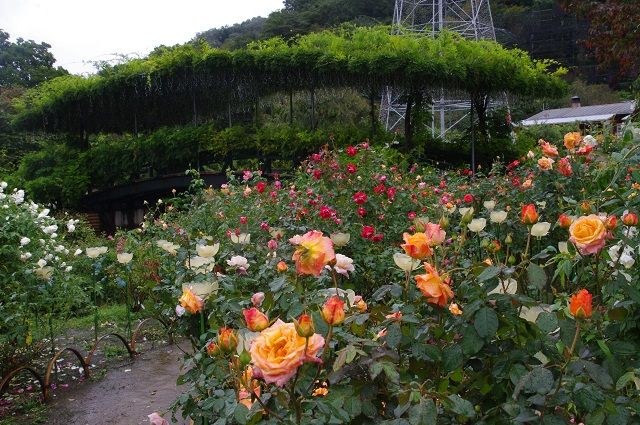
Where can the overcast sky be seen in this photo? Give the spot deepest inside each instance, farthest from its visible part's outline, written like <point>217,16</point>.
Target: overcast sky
<point>87,30</point>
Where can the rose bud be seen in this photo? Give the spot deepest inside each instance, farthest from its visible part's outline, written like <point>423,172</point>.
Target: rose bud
<point>245,358</point>
<point>227,340</point>
<point>611,222</point>
<point>213,349</point>
<point>580,304</point>
<point>359,304</point>
<point>282,267</point>
<point>304,325</point>
<point>256,320</point>
<point>564,221</point>
<point>585,207</point>
<point>630,219</point>
<point>529,214</point>
<point>257,299</point>
<point>333,311</point>
<point>444,222</point>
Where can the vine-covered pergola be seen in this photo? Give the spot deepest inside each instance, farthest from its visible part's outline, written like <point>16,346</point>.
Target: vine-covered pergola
<point>180,85</point>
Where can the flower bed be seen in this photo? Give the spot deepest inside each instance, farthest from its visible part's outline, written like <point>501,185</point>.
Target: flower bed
<point>370,289</point>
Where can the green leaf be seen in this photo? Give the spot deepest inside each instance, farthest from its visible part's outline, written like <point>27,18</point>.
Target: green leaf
<point>489,273</point>
<point>452,358</point>
<point>423,413</point>
<point>547,322</point>
<point>537,276</point>
<point>625,379</point>
<point>459,406</point>
<point>471,341</point>
<point>240,414</point>
<point>394,335</point>
<point>539,380</point>
<point>486,322</point>
<point>277,284</point>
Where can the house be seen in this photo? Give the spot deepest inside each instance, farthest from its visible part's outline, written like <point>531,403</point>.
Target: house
<point>614,114</point>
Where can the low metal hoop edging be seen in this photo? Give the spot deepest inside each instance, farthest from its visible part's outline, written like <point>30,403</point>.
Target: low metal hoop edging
<point>52,362</point>
<point>7,379</point>
<point>89,357</point>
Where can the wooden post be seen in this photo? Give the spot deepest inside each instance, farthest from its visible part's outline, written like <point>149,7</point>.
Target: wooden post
<point>473,142</point>
<point>313,108</point>
<point>291,107</point>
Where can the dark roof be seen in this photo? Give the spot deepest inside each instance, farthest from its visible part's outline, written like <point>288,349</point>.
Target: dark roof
<point>582,113</point>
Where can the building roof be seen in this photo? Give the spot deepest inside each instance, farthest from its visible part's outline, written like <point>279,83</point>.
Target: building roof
<point>582,113</point>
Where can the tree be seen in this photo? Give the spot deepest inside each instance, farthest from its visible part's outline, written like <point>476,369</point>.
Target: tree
<point>304,16</point>
<point>25,63</point>
<point>614,32</point>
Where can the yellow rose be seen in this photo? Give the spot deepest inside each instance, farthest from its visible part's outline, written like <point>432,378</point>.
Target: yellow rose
<point>278,352</point>
<point>571,140</point>
<point>588,234</point>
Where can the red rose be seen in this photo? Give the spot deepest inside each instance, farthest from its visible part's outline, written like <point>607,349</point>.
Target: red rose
<point>360,198</point>
<point>351,168</point>
<point>367,232</point>
<point>351,151</point>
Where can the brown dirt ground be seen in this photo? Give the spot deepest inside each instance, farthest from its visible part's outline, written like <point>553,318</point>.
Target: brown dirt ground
<point>129,391</point>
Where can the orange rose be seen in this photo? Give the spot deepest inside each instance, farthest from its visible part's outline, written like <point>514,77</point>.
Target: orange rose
<point>256,320</point>
<point>571,140</point>
<point>548,149</point>
<point>314,252</point>
<point>417,246</point>
<point>278,352</point>
<point>190,301</point>
<point>435,287</point>
<point>333,311</point>
<point>545,163</point>
<point>529,214</point>
<point>588,234</point>
<point>580,304</point>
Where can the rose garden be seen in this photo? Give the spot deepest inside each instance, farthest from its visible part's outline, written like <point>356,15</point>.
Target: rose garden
<point>361,284</point>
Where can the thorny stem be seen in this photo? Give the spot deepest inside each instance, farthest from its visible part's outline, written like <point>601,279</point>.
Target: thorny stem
<point>264,406</point>
<point>571,349</point>
<point>327,341</point>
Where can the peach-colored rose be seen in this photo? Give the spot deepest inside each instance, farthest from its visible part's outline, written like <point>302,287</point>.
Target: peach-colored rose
<point>313,253</point>
<point>227,339</point>
<point>545,163</point>
<point>190,301</point>
<point>278,352</point>
<point>548,149</point>
<point>417,246</point>
<point>455,309</point>
<point>434,286</point>
<point>244,395</point>
<point>571,140</point>
<point>435,234</point>
<point>564,167</point>
<point>588,234</point>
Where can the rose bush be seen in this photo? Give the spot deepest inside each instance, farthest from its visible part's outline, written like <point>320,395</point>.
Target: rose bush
<point>365,288</point>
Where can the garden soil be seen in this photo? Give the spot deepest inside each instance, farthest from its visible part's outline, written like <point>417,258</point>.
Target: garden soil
<point>129,391</point>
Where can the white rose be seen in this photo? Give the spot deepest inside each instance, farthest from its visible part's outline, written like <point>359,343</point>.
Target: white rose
<point>477,224</point>
<point>406,263</point>
<point>340,239</point>
<point>498,216</point>
<point>95,252</point>
<point>344,265</point>
<point>207,251</point>
<point>24,241</point>
<point>540,229</point>
<point>239,262</point>
<point>489,205</point>
<point>124,257</point>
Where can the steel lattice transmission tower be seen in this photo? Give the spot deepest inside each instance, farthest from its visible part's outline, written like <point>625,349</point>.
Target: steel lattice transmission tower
<point>470,18</point>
